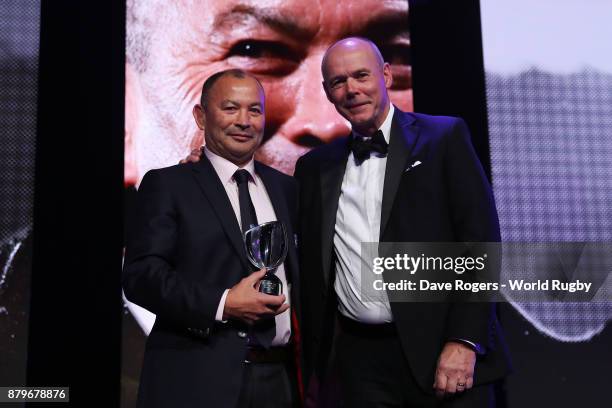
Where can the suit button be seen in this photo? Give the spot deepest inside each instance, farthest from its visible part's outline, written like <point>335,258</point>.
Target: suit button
<point>242,334</point>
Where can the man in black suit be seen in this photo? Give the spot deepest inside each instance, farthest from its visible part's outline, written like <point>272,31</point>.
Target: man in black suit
<point>217,341</point>
<point>398,177</point>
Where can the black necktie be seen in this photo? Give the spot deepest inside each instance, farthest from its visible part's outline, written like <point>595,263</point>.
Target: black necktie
<point>362,148</point>
<point>264,331</point>
<point>248,217</point>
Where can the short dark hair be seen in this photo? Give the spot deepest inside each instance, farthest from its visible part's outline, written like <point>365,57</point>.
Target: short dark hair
<point>210,82</point>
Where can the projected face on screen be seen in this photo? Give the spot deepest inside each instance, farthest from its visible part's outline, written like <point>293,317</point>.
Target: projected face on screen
<point>172,47</point>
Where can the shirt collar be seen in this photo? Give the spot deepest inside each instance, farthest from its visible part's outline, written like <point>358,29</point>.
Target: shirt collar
<point>225,169</point>
<point>386,125</point>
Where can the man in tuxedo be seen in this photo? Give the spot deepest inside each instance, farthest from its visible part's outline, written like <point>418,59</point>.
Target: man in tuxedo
<point>397,177</point>
<point>217,341</point>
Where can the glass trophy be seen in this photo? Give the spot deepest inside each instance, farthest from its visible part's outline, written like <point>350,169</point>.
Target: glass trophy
<point>266,246</point>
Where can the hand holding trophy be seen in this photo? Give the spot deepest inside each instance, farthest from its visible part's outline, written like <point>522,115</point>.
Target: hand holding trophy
<point>266,247</point>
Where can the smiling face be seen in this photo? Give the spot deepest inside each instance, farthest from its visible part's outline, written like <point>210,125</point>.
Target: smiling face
<point>174,46</point>
<point>233,118</point>
<point>356,80</point>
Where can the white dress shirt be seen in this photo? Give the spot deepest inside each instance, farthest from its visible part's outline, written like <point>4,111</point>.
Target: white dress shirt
<point>265,213</point>
<point>357,221</point>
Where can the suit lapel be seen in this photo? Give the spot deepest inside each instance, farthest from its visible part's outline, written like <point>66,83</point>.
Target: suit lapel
<point>332,173</point>
<point>402,141</point>
<point>279,201</point>
<point>213,189</point>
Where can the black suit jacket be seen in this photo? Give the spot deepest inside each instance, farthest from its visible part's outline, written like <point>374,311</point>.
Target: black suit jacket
<point>446,198</point>
<point>183,251</point>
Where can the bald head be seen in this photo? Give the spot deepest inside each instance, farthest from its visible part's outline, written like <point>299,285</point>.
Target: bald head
<point>352,44</point>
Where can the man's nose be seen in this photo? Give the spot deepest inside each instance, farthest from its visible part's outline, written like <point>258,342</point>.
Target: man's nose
<point>242,120</point>
<point>314,120</point>
<point>351,88</point>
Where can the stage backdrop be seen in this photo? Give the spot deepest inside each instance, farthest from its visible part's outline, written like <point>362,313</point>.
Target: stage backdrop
<point>549,100</point>
<point>171,48</point>
<point>19,34</point>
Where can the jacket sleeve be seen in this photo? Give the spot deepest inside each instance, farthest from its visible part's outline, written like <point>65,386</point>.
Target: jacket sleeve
<point>150,278</point>
<point>474,218</point>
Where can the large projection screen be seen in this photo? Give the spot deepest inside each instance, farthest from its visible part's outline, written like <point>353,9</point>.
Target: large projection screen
<point>172,47</point>
<point>549,99</point>
<point>19,42</point>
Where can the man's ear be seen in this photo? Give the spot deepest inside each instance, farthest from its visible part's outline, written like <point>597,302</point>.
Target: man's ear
<point>133,108</point>
<point>199,116</point>
<point>388,75</point>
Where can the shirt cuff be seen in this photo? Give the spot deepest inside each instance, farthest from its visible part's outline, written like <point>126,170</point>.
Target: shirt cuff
<point>221,307</point>
<point>479,349</point>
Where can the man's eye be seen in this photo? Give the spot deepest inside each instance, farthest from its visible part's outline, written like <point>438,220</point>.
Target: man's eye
<point>253,49</point>
<point>264,57</point>
<point>256,110</point>
<point>399,57</point>
<point>230,108</point>
<point>336,83</point>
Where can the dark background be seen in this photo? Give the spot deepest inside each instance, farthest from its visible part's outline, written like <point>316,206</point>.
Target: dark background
<point>76,294</point>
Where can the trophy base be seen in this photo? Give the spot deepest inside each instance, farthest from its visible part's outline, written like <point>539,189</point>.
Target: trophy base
<point>270,284</point>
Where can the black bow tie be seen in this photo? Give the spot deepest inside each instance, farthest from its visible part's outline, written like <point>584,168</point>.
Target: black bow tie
<point>362,148</point>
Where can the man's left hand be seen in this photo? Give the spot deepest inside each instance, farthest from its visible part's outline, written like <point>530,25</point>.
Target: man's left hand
<point>455,371</point>
<point>194,156</point>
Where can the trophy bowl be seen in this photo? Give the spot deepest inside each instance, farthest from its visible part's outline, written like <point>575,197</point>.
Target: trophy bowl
<point>266,247</point>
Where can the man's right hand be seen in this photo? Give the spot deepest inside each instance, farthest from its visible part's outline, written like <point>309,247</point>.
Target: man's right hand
<point>194,156</point>
<point>244,302</point>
